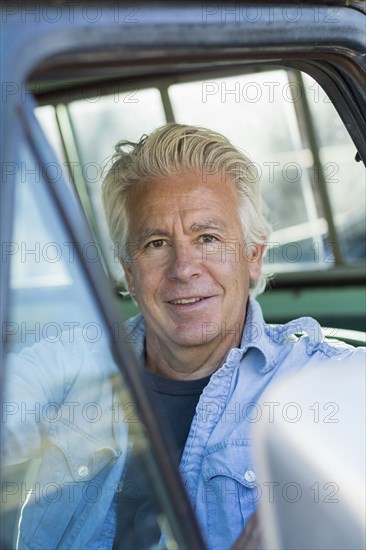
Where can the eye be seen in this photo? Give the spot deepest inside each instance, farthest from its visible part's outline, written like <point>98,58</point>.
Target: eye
<point>206,239</point>
<point>158,243</point>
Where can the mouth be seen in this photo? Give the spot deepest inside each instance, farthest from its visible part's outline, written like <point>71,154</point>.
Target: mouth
<point>188,301</point>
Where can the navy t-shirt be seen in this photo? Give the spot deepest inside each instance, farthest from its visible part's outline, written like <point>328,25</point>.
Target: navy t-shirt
<point>176,401</point>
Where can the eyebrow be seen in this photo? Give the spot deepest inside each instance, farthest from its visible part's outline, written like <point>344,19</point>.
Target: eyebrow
<point>144,235</point>
<point>208,224</point>
<point>194,228</point>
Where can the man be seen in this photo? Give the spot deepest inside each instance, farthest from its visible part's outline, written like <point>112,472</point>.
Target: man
<point>185,211</point>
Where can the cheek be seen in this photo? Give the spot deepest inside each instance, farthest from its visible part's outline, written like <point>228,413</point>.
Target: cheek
<point>232,276</point>
<point>146,282</point>
<point>238,279</point>
<point>230,256</point>
<point>232,268</point>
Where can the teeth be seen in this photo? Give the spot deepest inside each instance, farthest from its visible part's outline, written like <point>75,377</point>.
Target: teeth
<point>186,301</point>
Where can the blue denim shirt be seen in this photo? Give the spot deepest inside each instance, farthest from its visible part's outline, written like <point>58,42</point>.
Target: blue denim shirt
<point>217,465</point>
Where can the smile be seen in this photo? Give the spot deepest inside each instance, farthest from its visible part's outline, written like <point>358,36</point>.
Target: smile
<point>186,300</point>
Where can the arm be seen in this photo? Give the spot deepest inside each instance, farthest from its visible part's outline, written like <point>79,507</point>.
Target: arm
<point>36,382</point>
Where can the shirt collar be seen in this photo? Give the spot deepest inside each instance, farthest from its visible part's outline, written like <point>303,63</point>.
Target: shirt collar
<point>256,334</point>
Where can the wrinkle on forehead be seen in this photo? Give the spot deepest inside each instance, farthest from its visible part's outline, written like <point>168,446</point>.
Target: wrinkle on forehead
<point>187,202</point>
<point>205,225</point>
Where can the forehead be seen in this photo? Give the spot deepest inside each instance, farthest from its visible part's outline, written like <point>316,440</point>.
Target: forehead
<point>191,196</point>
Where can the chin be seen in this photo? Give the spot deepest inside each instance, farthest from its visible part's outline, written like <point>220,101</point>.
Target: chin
<point>193,336</point>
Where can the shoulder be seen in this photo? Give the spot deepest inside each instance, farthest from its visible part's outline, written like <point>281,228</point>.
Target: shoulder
<point>305,338</point>
<point>61,360</point>
<point>294,344</point>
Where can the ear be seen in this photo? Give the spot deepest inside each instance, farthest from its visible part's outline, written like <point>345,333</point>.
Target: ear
<point>129,275</point>
<point>255,259</point>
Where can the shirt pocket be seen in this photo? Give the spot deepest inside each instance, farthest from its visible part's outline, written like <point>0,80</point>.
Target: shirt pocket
<point>230,491</point>
<point>68,485</point>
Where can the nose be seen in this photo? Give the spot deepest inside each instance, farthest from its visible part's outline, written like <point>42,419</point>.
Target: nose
<point>185,263</point>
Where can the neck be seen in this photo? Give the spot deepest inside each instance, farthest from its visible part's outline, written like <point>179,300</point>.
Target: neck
<point>187,362</point>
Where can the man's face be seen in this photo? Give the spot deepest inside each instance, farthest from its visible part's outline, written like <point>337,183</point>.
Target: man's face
<point>190,268</point>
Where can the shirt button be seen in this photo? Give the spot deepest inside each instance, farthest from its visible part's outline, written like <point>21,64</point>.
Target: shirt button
<point>249,476</point>
<point>83,471</point>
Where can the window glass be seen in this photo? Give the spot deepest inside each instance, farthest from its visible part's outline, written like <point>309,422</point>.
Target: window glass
<point>47,118</point>
<point>259,113</point>
<point>256,112</point>
<point>345,178</point>
<point>99,124</point>
<point>75,453</point>
<point>232,106</point>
